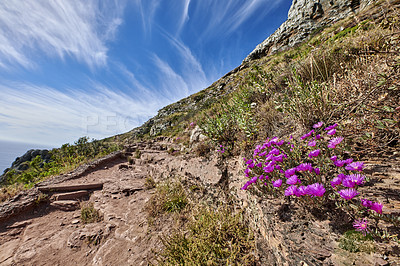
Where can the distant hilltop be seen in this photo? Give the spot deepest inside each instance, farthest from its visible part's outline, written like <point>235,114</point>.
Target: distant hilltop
<point>306,17</point>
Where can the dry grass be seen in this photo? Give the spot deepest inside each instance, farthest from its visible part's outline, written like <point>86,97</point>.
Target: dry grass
<point>9,191</point>
<point>169,197</point>
<point>211,237</point>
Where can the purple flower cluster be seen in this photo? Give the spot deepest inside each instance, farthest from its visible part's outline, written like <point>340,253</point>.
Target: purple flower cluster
<point>273,167</point>
<point>314,190</point>
<point>349,181</point>
<point>334,142</point>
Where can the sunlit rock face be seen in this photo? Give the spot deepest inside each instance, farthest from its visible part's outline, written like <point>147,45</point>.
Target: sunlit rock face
<point>304,18</point>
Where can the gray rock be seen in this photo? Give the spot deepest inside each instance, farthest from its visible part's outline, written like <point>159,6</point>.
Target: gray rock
<point>304,17</point>
<point>197,135</point>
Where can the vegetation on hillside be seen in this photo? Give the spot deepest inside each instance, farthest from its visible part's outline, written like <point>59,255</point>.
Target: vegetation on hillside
<point>346,74</point>
<point>63,159</point>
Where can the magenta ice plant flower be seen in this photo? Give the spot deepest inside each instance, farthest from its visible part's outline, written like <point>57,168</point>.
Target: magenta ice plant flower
<point>312,143</point>
<point>269,168</point>
<point>376,206</point>
<point>253,179</point>
<point>304,167</point>
<point>290,190</point>
<point>274,151</point>
<point>290,172</point>
<point>339,163</point>
<point>293,180</point>
<point>333,158</point>
<point>348,193</point>
<point>335,141</point>
<point>245,186</point>
<point>269,157</point>
<point>277,183</point>
<point>308,134</point>
<point>355,166</point>
<point>315,189</point>
<point>336,182</point>
<point>262,154</point>
<point>331,127</point>
<point>278,158</point>
<point>331,132</point>
<point>347,182</point>
<point>366,203</point>
<point>314,153</point>
<point>317,171</point>
<point>347,161</point>
<point>280,143</point>
<point>361,226</point>
<point>357,179</point>
<point>301,191</point>
<point>318,125</point>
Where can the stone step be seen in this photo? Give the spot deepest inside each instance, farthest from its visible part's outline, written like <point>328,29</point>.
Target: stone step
<point>70,195</point>
<point>65,205</point>
<point>74,187</point>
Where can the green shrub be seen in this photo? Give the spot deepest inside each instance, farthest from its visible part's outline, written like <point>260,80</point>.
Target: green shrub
<point>89,214</point>
<point>230,120</point>
<point>354,241</point>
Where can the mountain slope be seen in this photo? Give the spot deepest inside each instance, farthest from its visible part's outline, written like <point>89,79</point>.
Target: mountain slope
<point>345,74</point>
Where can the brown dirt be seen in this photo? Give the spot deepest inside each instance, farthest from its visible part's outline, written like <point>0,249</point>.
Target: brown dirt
<point>49,236</point>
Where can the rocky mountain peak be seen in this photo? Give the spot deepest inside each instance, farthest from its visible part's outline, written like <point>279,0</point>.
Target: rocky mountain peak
<point>304,18</point>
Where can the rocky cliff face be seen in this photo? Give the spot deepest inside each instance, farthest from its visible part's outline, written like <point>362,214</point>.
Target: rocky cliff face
<point>304,18</point>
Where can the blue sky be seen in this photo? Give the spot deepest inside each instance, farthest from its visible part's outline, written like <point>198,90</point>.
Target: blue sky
<point>98,67</point>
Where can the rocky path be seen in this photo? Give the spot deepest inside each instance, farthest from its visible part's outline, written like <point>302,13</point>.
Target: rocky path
<point>53,234</point>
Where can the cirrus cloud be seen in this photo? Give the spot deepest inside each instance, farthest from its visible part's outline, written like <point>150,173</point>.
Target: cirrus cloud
<point>57,28</point>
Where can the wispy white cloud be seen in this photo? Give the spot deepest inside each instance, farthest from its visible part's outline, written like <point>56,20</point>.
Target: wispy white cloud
<point>227,16</point>
<point>147,9</point>
<point>173,86</point>
<point>185,15</point>
<point>190,66</point>
<point>40,114</point>
<point>58,29</point>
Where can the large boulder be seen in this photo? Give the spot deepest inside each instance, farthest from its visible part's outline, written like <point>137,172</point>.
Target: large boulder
<point>197,135</point>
